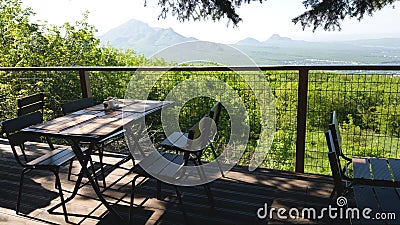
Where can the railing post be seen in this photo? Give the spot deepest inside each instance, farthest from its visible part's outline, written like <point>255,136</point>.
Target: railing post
<point>301,119</point>
<point>85,84</point>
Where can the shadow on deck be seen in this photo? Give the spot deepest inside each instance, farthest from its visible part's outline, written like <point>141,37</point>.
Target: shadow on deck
<point>237,197</point>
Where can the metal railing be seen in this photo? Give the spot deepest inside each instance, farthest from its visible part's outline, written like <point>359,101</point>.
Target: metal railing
<point>366,98</point>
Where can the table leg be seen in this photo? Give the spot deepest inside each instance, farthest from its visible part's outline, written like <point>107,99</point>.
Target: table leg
<point>76,187</point>
<point>83,161</point>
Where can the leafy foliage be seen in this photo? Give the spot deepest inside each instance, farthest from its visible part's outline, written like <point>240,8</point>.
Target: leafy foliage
<point>207,9</point>
<point>322,13</point>
<point>28,44</point>
<point>367,105</point>
<point>329,13</point>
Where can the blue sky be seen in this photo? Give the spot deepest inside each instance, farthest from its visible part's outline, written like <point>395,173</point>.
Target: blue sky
<point>260,21</point>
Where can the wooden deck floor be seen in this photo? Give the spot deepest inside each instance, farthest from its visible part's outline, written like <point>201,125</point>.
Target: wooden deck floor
<point>237,197</point>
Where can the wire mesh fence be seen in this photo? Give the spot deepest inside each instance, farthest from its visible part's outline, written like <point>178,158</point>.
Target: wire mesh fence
<point>367,105</point>
<point>368,113</point>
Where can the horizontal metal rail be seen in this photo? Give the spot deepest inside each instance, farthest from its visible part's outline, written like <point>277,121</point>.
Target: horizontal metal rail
<point>206,68</point>
<point>303,72</point>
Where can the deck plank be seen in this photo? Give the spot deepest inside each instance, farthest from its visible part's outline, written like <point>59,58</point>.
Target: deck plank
<point>387,197</point>
<point>365,198</point>
<point>237,197</point>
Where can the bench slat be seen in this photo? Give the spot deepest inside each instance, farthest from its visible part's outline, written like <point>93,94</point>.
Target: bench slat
<point>361,168</point>
<point>380,169</point>
<point>395,166</point>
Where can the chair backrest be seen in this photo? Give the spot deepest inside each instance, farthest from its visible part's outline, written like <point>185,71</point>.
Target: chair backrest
<point>30,104</point>
<point>215,112</point>
<point>334,164</point>
<point>201,133</point>
<point>12,129</point>
<point>334,128</point>
<point>76,105</point>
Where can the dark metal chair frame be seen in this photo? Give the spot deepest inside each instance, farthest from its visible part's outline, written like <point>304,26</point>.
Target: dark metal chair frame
<point>214,113</point>
<point>193,133</point>
<point>30,104</point>
<point>51,161</point>
<point>337,140</point>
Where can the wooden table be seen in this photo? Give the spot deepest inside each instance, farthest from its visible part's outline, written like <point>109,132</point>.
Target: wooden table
<point>91,125</point>
<point>380,199</point>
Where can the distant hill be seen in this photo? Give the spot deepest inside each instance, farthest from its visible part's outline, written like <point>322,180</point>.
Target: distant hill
<point>141,37</point>
<point>248,41</point>
<point>276,50</point>
<point>284,50</point>
<point>277,37</point>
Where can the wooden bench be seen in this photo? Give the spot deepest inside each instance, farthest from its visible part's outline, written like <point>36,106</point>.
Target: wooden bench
<point>378,169</point>
<point>372,186</point>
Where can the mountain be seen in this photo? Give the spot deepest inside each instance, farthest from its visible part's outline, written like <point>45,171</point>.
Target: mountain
<point>248,41</point>
<point>143,38</point>
<point>276,50</point>
<point>283,50</point>
<point>277,37</point>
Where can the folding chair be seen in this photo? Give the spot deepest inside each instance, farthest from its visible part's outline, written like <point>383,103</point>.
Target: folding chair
<point>169,144</point>
<point>172,165</point>
<point>51,161</point>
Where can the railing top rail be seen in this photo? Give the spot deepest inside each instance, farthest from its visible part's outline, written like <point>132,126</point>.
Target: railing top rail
<point>205,68</point>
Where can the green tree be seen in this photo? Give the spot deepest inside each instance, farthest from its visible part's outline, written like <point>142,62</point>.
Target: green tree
<point>329,13</point>
<point>21,40</point>
<point>321,13</point>
<point>29,44</point>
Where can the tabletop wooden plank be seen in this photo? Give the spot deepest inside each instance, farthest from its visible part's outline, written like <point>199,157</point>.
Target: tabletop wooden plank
<point>131,105</point>
<point>97,127</point>
<point>64,122</point>
<point>395,166</point>
<point>99,124</point>
<point>120,102</point>
<point>365,198</point>
<point>85,112</point>
<point>380,169</point>
<point>389,202</point>
<point>361,168</point>
<point>142,106</point>
<point>96,124</point>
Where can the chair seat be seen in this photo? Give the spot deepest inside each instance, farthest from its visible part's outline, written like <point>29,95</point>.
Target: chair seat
<point>164,164</point>
<point>56,157</point>
<point>179,141</point>
<point>175,140</point>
